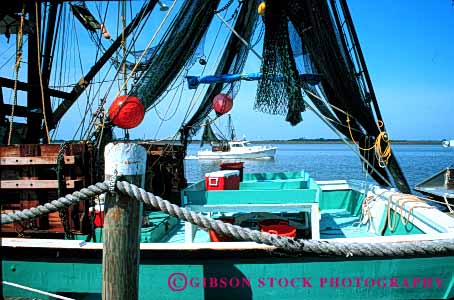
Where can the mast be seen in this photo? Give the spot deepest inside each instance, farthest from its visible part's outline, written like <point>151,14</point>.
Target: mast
<point>47,58</point>
<point>33,96</point>
<point>231,129</point>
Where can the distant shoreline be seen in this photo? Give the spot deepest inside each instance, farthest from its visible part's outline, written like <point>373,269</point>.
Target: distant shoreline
<point>331,141</point>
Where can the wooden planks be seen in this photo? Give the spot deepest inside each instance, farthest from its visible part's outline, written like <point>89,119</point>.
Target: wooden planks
<point>35,160</point>
<point>37,184</point>
<point>28,178</point>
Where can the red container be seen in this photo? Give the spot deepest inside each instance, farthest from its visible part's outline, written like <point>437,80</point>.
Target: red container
<point>279,227</point>
<point>99,218</point>
<point>220,238</point>
<point>99,215</point>
<point>239,166</point>
<point>222,180</point>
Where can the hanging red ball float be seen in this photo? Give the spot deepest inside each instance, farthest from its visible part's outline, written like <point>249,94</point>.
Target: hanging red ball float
<point>126,112</point>
<point>222,103</point>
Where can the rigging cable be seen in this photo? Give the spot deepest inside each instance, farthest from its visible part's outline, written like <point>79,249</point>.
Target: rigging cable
<point>103,101</point>
<point>51,61</point>
<point>147,47</point>
<point>165,119</point>
<point>90,103</point>
<point>224,7</point>
<point>136,65</point>
<point>239,36</point>
<point>40,75</point>
<point>77,47</point>
<point>9,59</point>
<point>19,40</point>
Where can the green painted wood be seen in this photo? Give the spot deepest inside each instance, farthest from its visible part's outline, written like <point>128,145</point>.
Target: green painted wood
<point>159,228</point>
<point>343,278</point>
<point>340,223</point>
<point>274,184</point>
<point>258,188</point>
<point>399,227</point>
<point>342,199</point>
<point>258,196</point>
<point>251,197</point>
<point>275,176</point>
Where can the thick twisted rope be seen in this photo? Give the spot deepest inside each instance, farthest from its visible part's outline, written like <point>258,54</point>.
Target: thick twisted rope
<point>292,246</point>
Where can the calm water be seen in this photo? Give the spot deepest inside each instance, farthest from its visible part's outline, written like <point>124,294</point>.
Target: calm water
<point>333,161</point>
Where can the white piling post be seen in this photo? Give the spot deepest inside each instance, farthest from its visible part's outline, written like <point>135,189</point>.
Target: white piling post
<point>122,223</point>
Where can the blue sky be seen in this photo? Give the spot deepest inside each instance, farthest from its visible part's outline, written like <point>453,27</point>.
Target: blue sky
<point>408,50</point>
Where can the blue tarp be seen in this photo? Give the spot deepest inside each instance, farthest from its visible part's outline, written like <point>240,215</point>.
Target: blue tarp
<point>194,81</point>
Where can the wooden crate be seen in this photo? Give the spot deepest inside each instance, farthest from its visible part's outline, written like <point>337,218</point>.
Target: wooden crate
<point>28,178</point>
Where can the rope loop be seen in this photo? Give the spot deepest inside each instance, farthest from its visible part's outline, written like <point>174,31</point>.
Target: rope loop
<point>382,154</point>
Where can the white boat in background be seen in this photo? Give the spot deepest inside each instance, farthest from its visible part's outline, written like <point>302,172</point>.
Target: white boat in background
<point>447,143</point>
<point>231,148</point>
<point>238,150</point>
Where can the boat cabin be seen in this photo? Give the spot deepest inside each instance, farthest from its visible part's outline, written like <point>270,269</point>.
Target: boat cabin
<point>239,144</point>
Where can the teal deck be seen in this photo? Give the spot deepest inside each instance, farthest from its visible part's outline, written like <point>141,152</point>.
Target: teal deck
<point>340,223</point>
<point>260,188</point>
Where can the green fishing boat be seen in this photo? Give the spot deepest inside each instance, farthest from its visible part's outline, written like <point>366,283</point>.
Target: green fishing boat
<point>103,217</point>
<point>180,261</point>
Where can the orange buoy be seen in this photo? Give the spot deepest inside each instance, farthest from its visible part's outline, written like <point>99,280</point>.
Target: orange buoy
<point>261,8</point>
<point>126,112</point>
<point>222,103</point>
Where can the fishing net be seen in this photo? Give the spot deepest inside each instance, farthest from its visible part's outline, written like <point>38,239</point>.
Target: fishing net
<point>279,90</point>
<point>198,55</point>
<point>208,135</point>
<point>175,49</point>
<point>232,61</point>
<point>325,50</point>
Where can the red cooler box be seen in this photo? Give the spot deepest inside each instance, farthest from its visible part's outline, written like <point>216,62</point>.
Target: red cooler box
<point>222,180</point>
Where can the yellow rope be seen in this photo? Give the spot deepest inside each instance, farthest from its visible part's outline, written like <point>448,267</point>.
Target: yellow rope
<point>382,155</point>
<point>40,75</point>
<point>19,40</point>
<point>401,201</point>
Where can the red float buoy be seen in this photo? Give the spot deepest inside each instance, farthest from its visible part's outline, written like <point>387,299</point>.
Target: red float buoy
<point>126,112</point>
<point>222,103</point>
